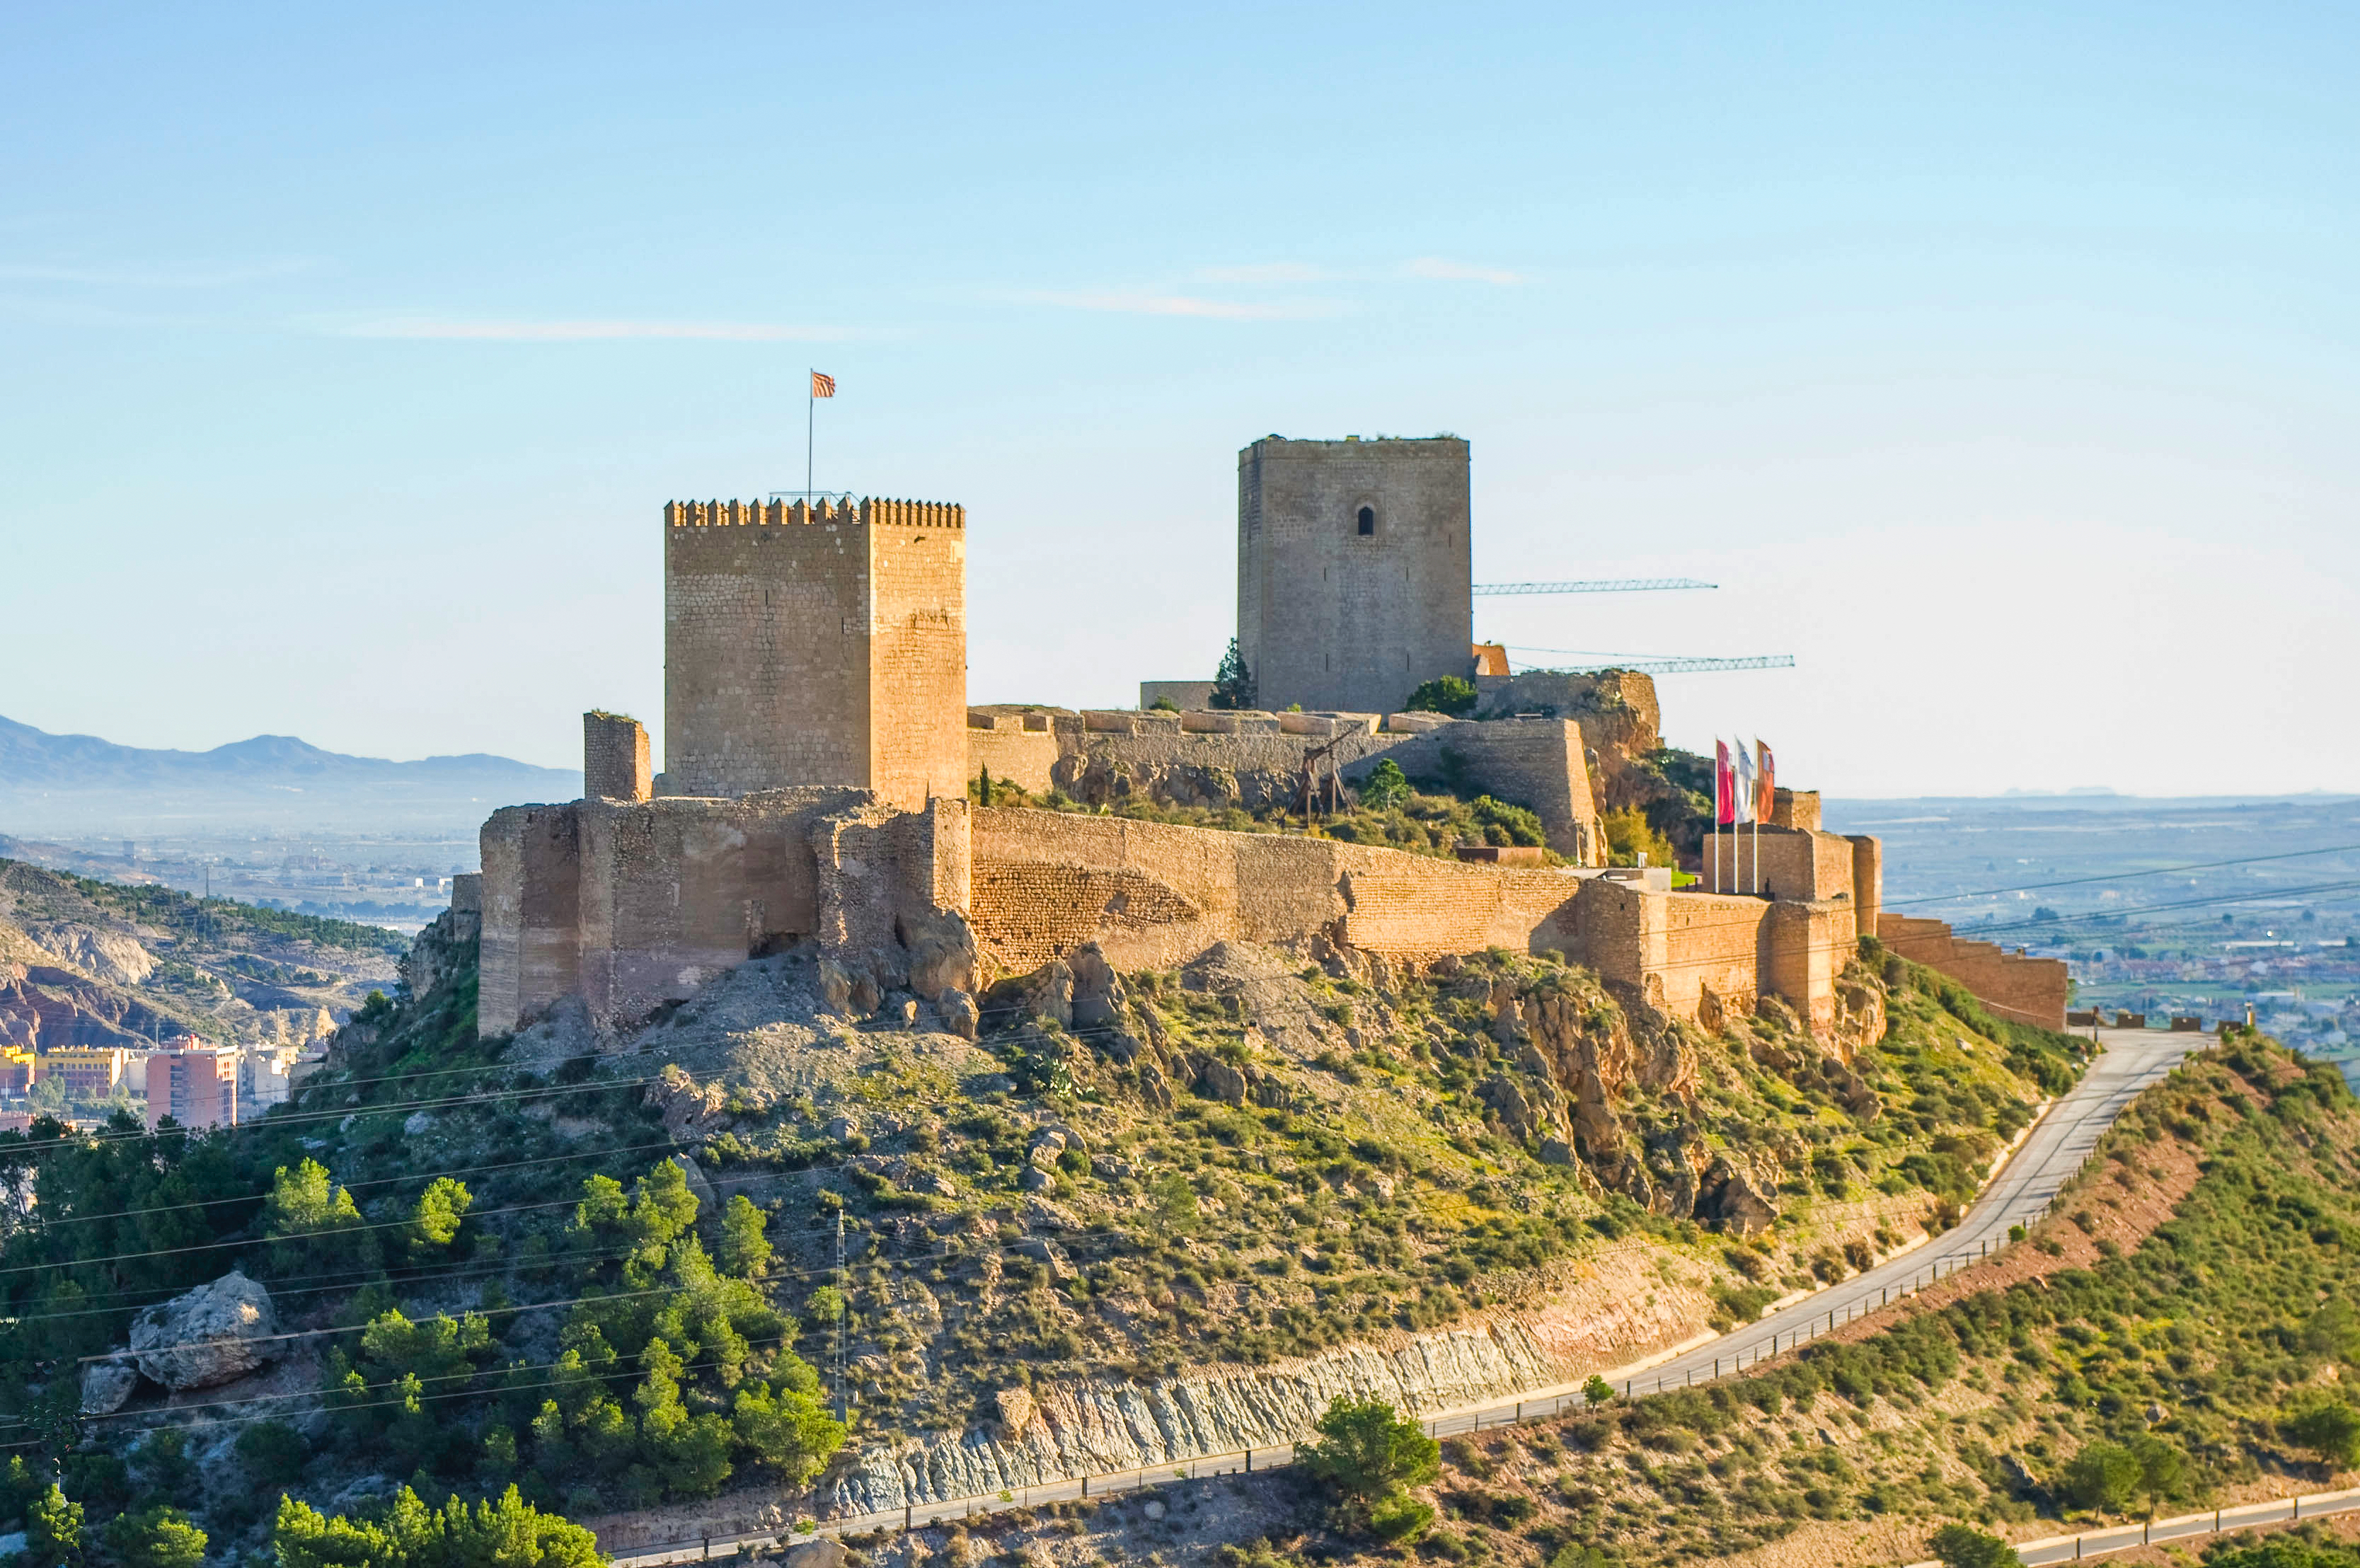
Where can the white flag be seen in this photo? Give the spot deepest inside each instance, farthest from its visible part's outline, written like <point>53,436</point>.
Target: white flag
<point>1745,781</point>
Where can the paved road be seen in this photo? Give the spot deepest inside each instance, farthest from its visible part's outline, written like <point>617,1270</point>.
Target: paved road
<point>2134,1058</point>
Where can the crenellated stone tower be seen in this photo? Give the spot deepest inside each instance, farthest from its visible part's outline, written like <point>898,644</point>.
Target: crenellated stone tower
<point>816,644</point>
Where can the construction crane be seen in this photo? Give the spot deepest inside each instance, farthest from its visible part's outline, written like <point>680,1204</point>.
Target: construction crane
<point>1607,585</point>
<point>1669,664</point>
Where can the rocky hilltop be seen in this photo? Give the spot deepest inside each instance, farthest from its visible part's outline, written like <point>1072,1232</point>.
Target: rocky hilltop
<point>95,964</point>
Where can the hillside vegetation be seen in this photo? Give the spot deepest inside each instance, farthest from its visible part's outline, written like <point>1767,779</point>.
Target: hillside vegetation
<point>2182,1334</point>
<point>498,1273</point>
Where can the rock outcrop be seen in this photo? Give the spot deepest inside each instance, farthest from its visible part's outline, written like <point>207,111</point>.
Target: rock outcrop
<point>1095,1427</point>
<point>216,1333</point>
<point>107,1387</point>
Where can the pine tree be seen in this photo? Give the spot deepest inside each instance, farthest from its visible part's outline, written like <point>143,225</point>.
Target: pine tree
<point>1233,683</point>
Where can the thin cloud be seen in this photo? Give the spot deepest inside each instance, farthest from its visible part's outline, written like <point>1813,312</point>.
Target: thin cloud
<point>1268,272</point>
<point>592,330</point>
<point>192,275</point>
<point>1188,305</point>
<point>1460,271</point>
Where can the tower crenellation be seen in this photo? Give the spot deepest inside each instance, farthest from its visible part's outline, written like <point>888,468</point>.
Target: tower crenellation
<point>871,512</point>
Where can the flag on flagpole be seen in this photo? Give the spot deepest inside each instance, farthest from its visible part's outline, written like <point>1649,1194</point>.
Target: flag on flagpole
<point>1724,785</point>
<point>1745,801</point>
<point>1766,787</point>
<point>823,385</point>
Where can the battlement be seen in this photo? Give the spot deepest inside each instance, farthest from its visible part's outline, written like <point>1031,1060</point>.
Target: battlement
<point>869,512</point>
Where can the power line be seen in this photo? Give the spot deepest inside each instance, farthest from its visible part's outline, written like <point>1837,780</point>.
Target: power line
<point>2124,875</point>
<point>301,1119</point>
<point>2213,902</point>
<point>41,1220</point>
<point>1684,665</point>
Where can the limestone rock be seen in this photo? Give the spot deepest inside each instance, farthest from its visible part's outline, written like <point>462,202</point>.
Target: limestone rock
<point>834,986</point>
<point>706,1203</point>
<point>1046,995</point>
<point>107,1387</point>
<point>1016,1413</point>
<point>1099,1426</point>
<point>942,953</point>
<point>1732,1199</point>
<point>1098,990</point>
<point>1153,1088</point>
<point>817,1552</point>
<point>1216,1080</point>
<point>958,1011</point>
<point>1060,1266</point>
<point>216,1333</point>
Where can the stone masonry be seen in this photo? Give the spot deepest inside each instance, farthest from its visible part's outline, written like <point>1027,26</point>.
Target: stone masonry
<point>816,644</point>
<point>1252,760</point>
<point>1353,569</point>
<point>819,746</point>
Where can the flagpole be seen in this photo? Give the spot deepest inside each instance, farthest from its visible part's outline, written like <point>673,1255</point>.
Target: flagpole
<point>811,424</point>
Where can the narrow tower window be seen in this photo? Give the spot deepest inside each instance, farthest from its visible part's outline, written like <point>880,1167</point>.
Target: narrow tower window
<point>1368,519</point>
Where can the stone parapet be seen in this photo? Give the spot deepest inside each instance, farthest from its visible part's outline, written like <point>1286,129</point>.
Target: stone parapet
<point>2013,985</point>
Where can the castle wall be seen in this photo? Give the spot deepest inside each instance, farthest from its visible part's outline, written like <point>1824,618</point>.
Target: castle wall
<point>531,897</point>
<point>1867,882</point>
<point>1333,618</point>
<point>918,683</point>
<point>628,906</point>
<point>1156,896</point>
<point>1251,759</point>
<point>2029,990</point>
<point>1793,863</point>
<point>615,758</point>
<point>815,646</point>
<point>1001,744</point>
<point>1809,946</point>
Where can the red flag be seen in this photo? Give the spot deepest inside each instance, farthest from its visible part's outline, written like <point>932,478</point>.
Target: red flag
<point>1764,782</point>
<point>1724,785</point>
<point>823,385</point>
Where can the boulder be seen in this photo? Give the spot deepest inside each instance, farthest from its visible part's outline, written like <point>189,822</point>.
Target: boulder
<point>958,1011</point>
<point>107,1387</point>
<point>817,1552</point>
<point>1016,1413</point>
<point>1216,1080</point>
<point>942,953</point>
<point>1098,990</point>
<point>1732,1200</point>
<point>216,1333</point>
<point>706,1201</point>
<point>1046,995</point>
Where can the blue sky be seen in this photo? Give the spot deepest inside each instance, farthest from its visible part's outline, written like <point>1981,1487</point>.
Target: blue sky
<point>2000,363</point>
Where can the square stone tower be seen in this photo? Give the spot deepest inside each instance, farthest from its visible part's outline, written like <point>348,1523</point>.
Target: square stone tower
<point>1353,574</point>
<point>816,644</point>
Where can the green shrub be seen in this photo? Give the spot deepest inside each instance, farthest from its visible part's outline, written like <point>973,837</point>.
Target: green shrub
<point>1452,694</point>
<point>1963,1546</point>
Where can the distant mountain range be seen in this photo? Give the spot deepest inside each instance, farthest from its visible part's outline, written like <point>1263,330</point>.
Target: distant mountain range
<point>53,783</point>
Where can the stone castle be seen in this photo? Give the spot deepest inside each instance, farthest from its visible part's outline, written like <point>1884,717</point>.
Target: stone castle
<point>818,745</point>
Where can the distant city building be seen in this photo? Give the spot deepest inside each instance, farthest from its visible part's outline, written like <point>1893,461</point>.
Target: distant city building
<point>195,1088</point>
<point>88,1072</point>
<point>16,1071</point>
<point>263,1077</point>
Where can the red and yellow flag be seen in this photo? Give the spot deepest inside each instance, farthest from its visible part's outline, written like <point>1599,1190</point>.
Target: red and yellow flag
<point>823,385</point>
<point>1765,780</point>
